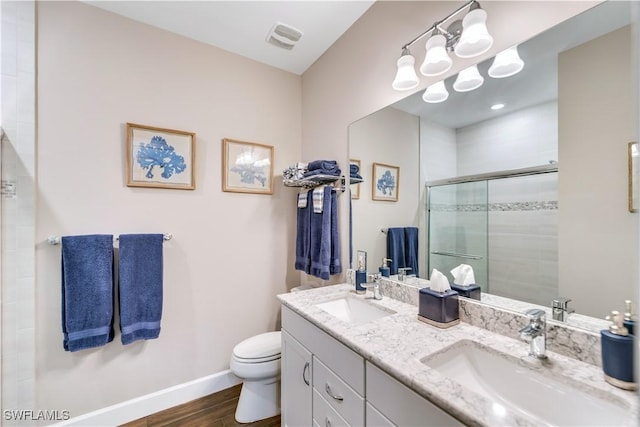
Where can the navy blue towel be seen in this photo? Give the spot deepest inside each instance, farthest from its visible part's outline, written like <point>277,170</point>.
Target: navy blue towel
<point>396,249</point>
<point>335,265</point>
<point>140,287</point>
<point>303,236</point>
<point>411,249</point>
<point>87,291</point>
<point>320,242</point>
<point>327,165</point>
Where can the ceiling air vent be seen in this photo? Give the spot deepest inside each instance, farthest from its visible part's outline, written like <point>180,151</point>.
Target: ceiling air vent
<point>284,36</point>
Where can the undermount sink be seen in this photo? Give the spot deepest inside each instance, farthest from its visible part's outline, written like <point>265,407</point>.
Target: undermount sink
<point>354,310</point>
<point>515,384</point>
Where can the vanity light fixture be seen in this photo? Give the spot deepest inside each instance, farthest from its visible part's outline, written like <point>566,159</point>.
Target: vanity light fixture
<point>435,93</point>
<point>468,79</point>
<point>467,38</point>
<point>506,63</point>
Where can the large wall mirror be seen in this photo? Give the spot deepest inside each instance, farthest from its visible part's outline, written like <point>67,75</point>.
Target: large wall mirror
<point>560,226</point>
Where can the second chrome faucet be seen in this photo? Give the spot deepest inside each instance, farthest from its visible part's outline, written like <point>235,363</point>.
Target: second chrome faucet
<point>536,333</point>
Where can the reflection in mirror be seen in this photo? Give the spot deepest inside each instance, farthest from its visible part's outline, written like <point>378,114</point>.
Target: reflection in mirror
<point>633,177</point>
<point>563,233</point>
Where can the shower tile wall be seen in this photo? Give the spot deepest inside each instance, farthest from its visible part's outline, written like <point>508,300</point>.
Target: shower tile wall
<point>523,242</point>
<point>17,216</point>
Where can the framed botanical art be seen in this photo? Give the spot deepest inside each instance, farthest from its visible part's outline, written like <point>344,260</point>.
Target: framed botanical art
<point>247,167</point>
<point>160,158</point>
<point>385,182</point>
<point>355,188</point>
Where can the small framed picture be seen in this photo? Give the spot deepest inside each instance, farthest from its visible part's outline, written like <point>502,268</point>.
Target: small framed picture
<point>355,188</point>
<point>247,167</point>
<point>160,158</point>
<point>385,182</point>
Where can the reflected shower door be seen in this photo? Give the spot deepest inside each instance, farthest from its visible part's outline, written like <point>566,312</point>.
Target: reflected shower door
<point>458,229</point>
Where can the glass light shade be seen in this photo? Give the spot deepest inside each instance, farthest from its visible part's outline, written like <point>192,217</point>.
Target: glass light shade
<point>506,63</point>
<point>437,60</point>
<point>435,93</point>
<point>475,38</point>
<point>406,77</point>
<point>468,79</point>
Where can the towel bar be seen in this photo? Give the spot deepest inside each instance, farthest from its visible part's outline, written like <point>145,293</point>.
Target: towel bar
<point>55,240</point>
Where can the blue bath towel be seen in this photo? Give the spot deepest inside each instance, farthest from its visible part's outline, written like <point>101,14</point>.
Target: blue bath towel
<point>327,165</point>
<point>411,249</point>
<point>303,235</point>
<point>396,249</point>
<point>335,265</point>
<point>140,266</point>
<point>87,291</point>
<point>320,242</point>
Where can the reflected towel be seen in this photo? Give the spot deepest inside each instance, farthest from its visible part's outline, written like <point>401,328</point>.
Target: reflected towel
<point>303,235</point>
<point>327,165</point>
<point>396,249</point>
<point>87,291</point>
<point>140,266</point>
<point>411,249</point>
<point>331,172</point>
<point>354,169</point>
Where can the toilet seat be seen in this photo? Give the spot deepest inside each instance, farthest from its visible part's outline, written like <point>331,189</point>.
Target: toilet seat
<point>259,349</point>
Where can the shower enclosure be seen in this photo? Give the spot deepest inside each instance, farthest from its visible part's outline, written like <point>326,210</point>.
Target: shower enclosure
<point>502,224</point>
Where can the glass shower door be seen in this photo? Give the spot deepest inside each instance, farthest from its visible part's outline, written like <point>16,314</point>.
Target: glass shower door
<point>457,229</point>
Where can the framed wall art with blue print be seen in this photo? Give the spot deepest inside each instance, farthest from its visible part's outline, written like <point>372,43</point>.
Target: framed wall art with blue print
<point>247,167</point>
<point>160,158</point>
<point>385,182</point>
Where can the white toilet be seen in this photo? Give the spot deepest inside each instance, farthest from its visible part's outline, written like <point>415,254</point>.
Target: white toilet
<point>256,361</point>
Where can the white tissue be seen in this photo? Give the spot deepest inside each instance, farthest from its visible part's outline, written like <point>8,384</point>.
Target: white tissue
<point>463,275</point>
<point>438,281</point>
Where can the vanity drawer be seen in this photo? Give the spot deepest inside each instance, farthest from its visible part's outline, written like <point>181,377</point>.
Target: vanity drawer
<point>325,415</point>
<point>345,400</point>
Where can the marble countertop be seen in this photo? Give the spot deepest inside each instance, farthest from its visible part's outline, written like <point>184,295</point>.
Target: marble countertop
<point>399,343</point>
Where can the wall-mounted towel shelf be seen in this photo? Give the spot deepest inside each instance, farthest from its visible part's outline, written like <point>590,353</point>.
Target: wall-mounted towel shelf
<point>312,181</point>
<point>55,240</point>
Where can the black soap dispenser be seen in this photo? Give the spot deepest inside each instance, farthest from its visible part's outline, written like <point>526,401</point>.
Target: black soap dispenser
<point>617,354</point>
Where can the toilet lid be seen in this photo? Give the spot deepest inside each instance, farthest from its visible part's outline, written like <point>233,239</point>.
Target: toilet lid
<point>259,347</point>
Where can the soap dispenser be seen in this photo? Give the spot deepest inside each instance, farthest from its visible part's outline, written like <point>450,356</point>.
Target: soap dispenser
<point>361,277</point>
<point>617,354</point>
<point>629,321</point>
<point>385,271</point>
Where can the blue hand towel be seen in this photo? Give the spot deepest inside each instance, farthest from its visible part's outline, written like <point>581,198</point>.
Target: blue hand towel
<point>320,242</point>
<point>335,265</point>
<point>87,291</point>
<point>140,266</point>
<point>303,235</point>
<point>411,249</point>
<point>396,249</point>
<point>331,172</point>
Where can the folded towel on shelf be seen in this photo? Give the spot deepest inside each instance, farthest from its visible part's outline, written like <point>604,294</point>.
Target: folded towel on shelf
<point>411,249</point>
<point>140,266</point>
<point>87,291</point>
<point>330,172</point>
<point>354,169</point>
<point>327,165</point>
<point>303,235</point>
<point>295,172</point>
<point>396,249</point>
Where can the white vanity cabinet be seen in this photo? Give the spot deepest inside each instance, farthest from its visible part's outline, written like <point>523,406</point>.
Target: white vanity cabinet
<point>323,384</point>
<point>335,396</point>
<point>389,402</point>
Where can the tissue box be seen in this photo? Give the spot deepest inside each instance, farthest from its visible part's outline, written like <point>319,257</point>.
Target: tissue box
<point>469,291</point>
<point>438,308</point>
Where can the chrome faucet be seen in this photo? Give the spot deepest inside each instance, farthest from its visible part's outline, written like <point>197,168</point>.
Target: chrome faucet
<point>402,272</point>
<point>560,309</point>
<point>536,333</point>
<point>373,282</point>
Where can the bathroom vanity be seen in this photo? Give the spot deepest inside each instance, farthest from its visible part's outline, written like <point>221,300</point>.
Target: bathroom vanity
<point>350,360</point>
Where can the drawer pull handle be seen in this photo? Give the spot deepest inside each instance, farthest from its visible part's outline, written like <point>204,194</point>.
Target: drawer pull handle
<point>304,373</point>
<point>330,393</point>
<point>327,422</point>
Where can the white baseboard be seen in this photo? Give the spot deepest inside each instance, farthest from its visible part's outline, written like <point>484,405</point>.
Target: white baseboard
<point>142,406</point>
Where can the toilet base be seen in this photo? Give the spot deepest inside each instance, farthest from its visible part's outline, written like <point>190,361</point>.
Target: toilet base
<point>258,400</point>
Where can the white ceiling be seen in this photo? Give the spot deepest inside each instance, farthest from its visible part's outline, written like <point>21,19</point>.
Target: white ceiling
<point>242,26</point>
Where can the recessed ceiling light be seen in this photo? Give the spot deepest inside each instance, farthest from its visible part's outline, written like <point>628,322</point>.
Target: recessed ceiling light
<point>497,106</point>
